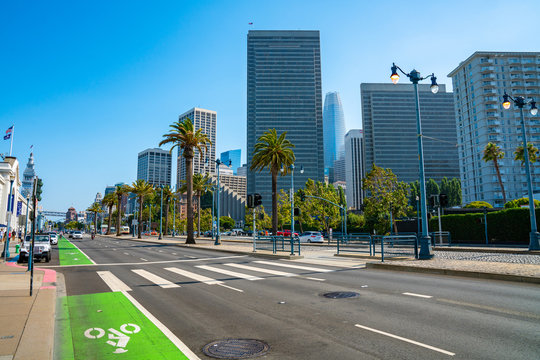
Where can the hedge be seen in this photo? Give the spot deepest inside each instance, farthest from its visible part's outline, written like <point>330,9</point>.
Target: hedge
<point>508,226</point>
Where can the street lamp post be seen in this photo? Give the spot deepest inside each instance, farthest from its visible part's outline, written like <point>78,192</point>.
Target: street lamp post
<point>292,197</point>
<point>218,235</point>
<point>5,253</point>
<point>520,102</point>
<point>149,219</point>
<point>174,216</point>
<point>161,215</point>
<point>26,221</point>
<point>426,251</point>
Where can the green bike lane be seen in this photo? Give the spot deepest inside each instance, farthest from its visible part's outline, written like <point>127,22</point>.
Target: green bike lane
<point>69,254</point>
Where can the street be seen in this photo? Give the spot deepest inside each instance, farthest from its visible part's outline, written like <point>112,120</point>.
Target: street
<point>204,296</point>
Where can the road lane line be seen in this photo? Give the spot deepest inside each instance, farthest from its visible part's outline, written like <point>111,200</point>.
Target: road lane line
<point>92,261</point>
<point>230,287</point>
<point>418,295</point>
<point>126,253</point>
<point>256,269</point>
<point>293,266</point>
<point>168,333</point>
<point>174,253</point>
<point>158,280</point>
<point>191,257</point>
<point>113,282</point>
<point>406,340</point>
<point>229,273</point>
<point>316,279</point>
<point>143,259</point>
<point>196,277</point>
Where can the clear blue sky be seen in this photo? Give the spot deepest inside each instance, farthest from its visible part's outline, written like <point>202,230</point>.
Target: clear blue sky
<point>92,83</point>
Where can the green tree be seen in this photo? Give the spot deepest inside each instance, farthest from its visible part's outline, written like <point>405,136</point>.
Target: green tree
<point>454,195</point>
<point>321,214</point>
<point>201,184</point>
<point>284,209</point>
<point>183,135</point>
<point>532,152</point>
<point>386,194</point>
<point>516,203</point>
<point>226,222</point>
<point>478,205</point>
<point>141,189</point>
<point>96,209</point>
<point>432,188</point>
<point>168,194</point>
<point>273,152</point>
<point>119,192</point>
<point>260,224</point>
<point>109,201</point>
<point>355,222</point>
<point>492,152</point>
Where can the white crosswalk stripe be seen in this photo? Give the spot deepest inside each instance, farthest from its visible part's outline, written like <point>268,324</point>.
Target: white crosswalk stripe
<point>114,283</point>
<point>309,268</point>
<point>196,277</point>
<point>166,284</point>
<point>267,271</point>
<point>230,273</point>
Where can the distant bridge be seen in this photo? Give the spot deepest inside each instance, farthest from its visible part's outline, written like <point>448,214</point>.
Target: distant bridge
<point>58,213</point>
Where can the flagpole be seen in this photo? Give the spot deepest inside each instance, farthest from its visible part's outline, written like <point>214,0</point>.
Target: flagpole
<point>12,135</point>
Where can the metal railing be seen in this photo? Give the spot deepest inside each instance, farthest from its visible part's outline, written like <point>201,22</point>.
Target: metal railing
<point>396,245</point>
<point>357,243</point>
<point>277,243</point>
<point>441,238</point>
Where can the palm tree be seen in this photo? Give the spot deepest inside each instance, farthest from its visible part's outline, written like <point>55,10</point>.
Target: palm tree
<point>188,139</point>
<point>96,209</point>
<point>274,153</point>
<point>492,152</point>
<point>109,200</point>
<point>168,193</point>
<point>531,149</point>
<point>141,189</point>
<point>201,184</point>
<point>120,191</point>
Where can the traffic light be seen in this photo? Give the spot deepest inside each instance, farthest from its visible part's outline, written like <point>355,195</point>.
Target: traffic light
<point>39,190</point>
<point>296,211</point>
<point>250,202</point>
<point>302,195</point>
<point>443,200</point>
<point>257,199</point>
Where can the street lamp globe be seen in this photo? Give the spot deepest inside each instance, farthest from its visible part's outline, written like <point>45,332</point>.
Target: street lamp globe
<point>434,86</point>
<point>506,102</point>
<point>534,109</point>
<point>394,77</point>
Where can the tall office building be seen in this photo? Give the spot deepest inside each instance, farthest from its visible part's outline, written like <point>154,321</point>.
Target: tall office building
<point>155,167</point>
<point>234,157</point>
<point>334,131</point>
<point>479,83</point>
<point>390,134</point>
<point>206,121</point>
<point>284,92</point>
<point>354,157</point>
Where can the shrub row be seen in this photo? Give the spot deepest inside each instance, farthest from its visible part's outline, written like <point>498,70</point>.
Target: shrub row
<point>508,226</point>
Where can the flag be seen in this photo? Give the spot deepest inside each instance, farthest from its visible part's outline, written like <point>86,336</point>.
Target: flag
<point>9,131</point>
<point>250,23</point>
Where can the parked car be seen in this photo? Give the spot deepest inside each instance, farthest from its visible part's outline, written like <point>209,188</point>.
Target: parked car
<point>77,235</point>
<point>71,233</point>
<point>54,238</point>
<point>286,233</point>
<point>311,237</point>
<point>42,248</point>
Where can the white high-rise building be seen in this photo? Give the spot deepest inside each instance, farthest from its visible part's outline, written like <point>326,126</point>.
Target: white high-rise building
<point>206,121</point>
<point>354,163</point>
<point>479,83</point>
<point>155,167</point>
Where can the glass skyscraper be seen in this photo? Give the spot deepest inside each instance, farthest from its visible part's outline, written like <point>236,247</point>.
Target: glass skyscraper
<point>284,92</point>
<point>334,130</point>
<point>234,157</point>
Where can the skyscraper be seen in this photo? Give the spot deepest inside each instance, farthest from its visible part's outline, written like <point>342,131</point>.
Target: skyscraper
<point>284,92</point>
<point>155,167</point>
<point>390,134</point>
<point>479,83</point>
<point>354,157</point>
<point>206,121</point>
<point>334,131</point>
<point>234,156</point>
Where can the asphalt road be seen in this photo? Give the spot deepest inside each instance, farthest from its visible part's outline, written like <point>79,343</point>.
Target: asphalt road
<point>396,315</point>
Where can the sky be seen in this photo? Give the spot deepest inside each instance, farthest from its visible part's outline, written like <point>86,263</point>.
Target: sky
<point>91,83</point>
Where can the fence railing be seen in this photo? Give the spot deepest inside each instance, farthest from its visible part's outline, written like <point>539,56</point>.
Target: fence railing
<point>357,243</point>
<point>277,243</point>
<point>396,245</point>
<point>441,238</point>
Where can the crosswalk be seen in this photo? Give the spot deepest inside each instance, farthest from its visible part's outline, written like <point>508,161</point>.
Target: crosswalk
<point>215,274</point>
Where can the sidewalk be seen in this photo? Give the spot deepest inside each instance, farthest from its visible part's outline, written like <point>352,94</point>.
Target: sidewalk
<point>27,330</point>
<point>511,264</point>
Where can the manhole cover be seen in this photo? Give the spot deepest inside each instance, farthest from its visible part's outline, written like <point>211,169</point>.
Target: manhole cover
<point>236,348</point>
<point>341,294</point>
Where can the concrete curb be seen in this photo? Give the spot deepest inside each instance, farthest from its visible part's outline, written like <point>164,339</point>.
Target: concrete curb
<point>463,273</point>
<point>486,250</point>
<point>238,252</point>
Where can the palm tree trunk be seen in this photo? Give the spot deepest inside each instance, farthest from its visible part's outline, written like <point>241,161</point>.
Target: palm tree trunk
<point>274,203</point>
<point>140,217</point>
<point>500,179</point>
<point>166,217</point>
<point>119,216</point>
<point>110,221</point>
<point>189,203</point>
<point>198,213</point>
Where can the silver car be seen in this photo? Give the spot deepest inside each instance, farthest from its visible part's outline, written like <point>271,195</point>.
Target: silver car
<point>77,235</point>
<point>311,237</point>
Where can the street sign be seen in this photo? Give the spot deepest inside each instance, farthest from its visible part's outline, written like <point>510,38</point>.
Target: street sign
<point>134,222</point>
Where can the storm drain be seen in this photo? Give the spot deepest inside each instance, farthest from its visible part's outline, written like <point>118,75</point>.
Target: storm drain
<point>236,348</point>
<point>341,294</point>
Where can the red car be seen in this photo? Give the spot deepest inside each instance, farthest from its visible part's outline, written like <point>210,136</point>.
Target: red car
<point>286,233</point>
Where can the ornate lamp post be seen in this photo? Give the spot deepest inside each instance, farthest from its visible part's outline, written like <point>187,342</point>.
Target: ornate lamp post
<point>426,251</point>
<point>161,214</point>
<point>218,239</point>
<point>520,102</point>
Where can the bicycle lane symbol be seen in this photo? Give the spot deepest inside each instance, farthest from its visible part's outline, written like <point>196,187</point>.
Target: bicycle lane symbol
<point>118,339</point>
